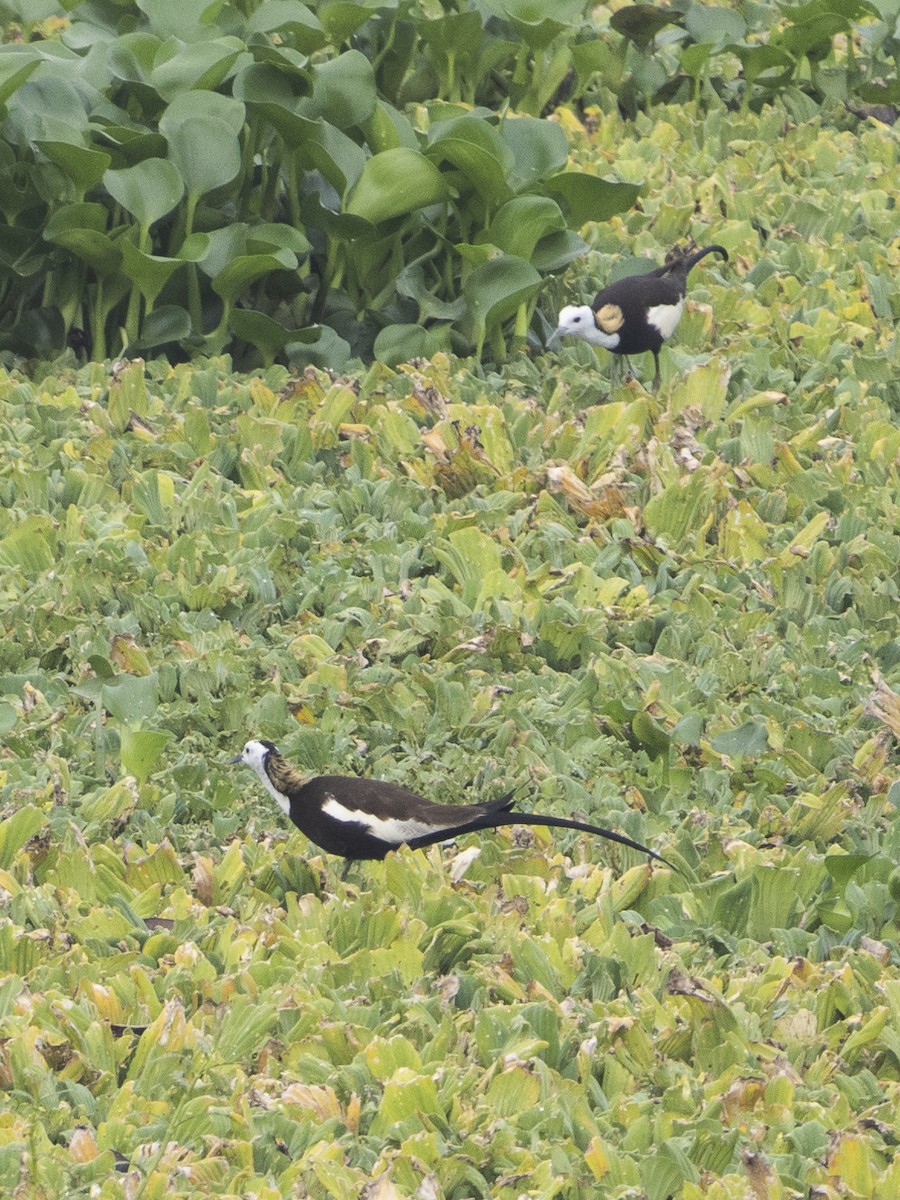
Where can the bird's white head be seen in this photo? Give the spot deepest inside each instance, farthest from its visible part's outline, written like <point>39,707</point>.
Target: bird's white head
<point>577,320</point>
<point>254,755</point>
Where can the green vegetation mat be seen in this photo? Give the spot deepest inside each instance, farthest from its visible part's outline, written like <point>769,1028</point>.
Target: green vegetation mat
<point>677,615</point>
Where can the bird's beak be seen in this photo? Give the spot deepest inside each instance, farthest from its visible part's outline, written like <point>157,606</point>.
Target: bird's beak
<point>554,338</point>
<point>237,758</point>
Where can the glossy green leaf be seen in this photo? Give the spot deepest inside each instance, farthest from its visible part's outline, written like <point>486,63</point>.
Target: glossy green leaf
<point>199,66</point>
<point>205,151</point>
<point>295,23</point>
<point>521,223</point>
<point>394,183</point>
<point>85,166</point>
<point>478,152</point>
<point>709,24</point>
<point>343,91</point>
<point>148,190</point>
<point>400,343</point>
<point>587,198</point>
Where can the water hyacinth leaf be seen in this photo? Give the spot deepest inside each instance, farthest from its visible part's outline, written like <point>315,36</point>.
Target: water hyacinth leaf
<point>96,249</point>
<point>394,183</point>
<point>319,346</point>
<point>586,198</point>
<point>557,250</point>
<point>816,24</point>
<point>168,323</point>
<point>843,867</point>
<point>151,272</point>
<point>15,67</point>
<point>200,66</point>
<point>495,290</point>
<point>715,26</point>
<point>148,190</point>
<point>763,61</point>
<point>640,23</point>
<point>264,83</point>
<point>262,331</point>
<point>295,23</point>
<point>387,127</point>
<point>537,25</point>
<point>413,283</point>
<point>539,149</point>
<point>458,52</point>
<point>293,127</point>
<point>478,152</point>
<point>275,236</point>
<point>233,279</point>
<point>341,18</point>
<point>522,222</point>
<point>82,164</point>
<point>223,246</point>
<point>688,731</point>
<point>695,57</point>
<point>400,343</point>
<point>190,106</point>
<point>341,161</point>
<point>172,17</point>
<point>206,153</point>
<point>344,92</point>
<point>140,750</point>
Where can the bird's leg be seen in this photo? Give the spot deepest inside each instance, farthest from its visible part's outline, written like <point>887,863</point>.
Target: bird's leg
<point>654,386</point>
<point>348,863</point>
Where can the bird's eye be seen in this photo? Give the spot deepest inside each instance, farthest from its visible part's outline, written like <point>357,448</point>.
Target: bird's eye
<point>577,321</point>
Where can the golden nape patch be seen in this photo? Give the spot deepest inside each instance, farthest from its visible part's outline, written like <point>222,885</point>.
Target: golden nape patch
<point>609,318</point>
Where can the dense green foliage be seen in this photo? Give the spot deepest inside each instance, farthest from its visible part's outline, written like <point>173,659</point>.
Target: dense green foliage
<point>369,179</point>
<point>189,176</point>
<point>677,614</point>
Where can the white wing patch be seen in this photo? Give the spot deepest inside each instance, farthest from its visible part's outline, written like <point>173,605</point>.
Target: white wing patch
<point>665,317</point>
<point>393,830</point>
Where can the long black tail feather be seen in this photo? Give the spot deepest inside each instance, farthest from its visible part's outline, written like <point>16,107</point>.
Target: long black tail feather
<point>494,819</point>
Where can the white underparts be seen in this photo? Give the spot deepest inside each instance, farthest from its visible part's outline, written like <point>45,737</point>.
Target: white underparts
<point>387,829</point>
<point>665,317</point>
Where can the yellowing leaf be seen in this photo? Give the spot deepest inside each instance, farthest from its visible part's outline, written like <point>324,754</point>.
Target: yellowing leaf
<point>596,1158</point>
<point>83,1146</point>
<point>850,1165</point>
<point>321,1101</point>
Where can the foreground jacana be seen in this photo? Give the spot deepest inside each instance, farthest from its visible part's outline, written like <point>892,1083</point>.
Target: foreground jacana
<point>367,818</point>
<point>635,314</point>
